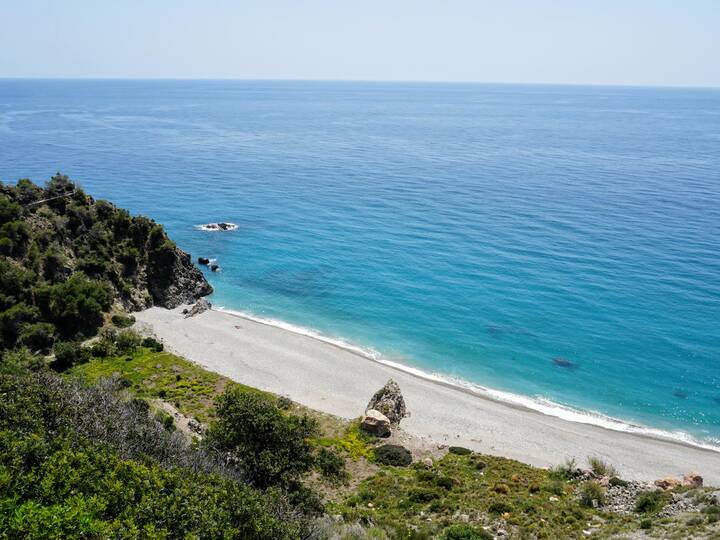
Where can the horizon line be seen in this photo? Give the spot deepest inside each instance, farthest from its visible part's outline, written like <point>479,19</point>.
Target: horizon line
<point>395,81</point>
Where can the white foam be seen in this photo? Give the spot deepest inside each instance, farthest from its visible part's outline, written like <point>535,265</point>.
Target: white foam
<point>539,404</point>
<point>214,227</point>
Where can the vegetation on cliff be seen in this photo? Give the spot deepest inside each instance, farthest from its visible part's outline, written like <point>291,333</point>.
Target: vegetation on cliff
<point>67,259</point>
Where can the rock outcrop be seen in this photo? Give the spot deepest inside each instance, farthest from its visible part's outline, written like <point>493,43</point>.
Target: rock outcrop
<point>390,402</point>
<point>375,423</point>
<point>200,306</point>
<point>692,479</point>
<point>173,280</point>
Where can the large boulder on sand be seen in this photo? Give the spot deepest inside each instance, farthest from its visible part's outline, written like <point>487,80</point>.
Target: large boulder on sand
<point>199,307</point>
<point>375,423</point>
<point>390,402</point>
<point>692,479</point>
<point>667,483</point>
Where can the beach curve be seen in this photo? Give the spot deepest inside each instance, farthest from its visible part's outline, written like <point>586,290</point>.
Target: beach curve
<point>338,378</point>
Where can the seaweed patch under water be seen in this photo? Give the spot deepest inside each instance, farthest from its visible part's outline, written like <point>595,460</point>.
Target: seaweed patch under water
<point>565,363</point>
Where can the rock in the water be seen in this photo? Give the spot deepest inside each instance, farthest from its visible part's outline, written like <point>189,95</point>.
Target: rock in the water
<point>667,483</point>
<point>203,260</point>
<point>390,402</point>
<point>376,423</point>
<point>199,307</point>
<point>692,479</point>
<point>214,268</point>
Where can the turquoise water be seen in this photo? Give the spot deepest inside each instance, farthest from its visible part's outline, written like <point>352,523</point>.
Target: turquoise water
<point>477,231</point>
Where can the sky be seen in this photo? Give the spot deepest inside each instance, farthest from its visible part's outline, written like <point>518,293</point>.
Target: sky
<point>629,42</point>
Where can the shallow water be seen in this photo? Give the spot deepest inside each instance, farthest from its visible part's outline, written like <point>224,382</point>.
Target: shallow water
<point>555,242</point>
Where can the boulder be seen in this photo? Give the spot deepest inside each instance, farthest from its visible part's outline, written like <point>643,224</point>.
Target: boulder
<point>667,483</point>
<point>375,423</point>
<point>203,260</point>
<point>214,268</point>
<point>692,479</point>
<point>427,463</point>
<point>199,307</point>
<point>390,402</point>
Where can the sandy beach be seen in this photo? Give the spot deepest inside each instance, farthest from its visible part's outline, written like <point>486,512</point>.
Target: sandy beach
<point>338,381</point>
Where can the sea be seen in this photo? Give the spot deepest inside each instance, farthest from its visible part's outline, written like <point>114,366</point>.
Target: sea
<point>554,246</point>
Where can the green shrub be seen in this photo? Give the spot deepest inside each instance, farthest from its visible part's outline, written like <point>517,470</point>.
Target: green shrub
<point>122,321</point>
<point>166,420</point>
<point>646,524</point>
<point>393,454</point>
<point>103,348</point>
<point>466,532</point>
<point>615,481</point>
<point>127,341</point>
<point>564,471</point>
<point>331,465</point>
<point>650,502</point>
<point>423,495</point>
<point>694,521</point>
<point>592,494</point>
<point>459,450</point>
<point>37,336</point>
<point>153,344</point>
<point>499,506</point>
<point>600,467</point>
<point>271,447</point>
<point>68,354</point>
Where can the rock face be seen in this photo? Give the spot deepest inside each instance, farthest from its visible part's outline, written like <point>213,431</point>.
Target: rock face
<point>199,307</point>
<point>390,402</point>
<point>173,280</point>
<point>376,423</point>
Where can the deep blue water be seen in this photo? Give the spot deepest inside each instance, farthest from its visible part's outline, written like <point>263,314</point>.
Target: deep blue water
<point>478,231</point>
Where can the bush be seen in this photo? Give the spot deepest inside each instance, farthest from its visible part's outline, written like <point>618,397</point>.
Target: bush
<point>127,341</point>
<point>273,448</point>
<point>601,468</point>
<point>646,524</point>
<point>122,321</point>
<point>466,532</point>
<point>331,465</point>
<point>393,454</point>
<point>565,471</point>
<point>69,354</point>
<point>650,502</point>
<point>499,506</point>
<point>615,481</point>
<point>37,336</point>
<point>459,450</point>
<point>166,420</point>
<point>592,494</point>
<point>423,495</point>
<point>103,348</point>
<point>153,344</point>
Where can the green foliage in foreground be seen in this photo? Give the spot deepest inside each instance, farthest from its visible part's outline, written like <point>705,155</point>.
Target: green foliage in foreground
<point>479,489</point>
<point>273,448</point>
<point>84,462</point>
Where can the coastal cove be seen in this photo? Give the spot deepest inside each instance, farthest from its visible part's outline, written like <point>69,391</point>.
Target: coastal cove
<point>553,242</point>
<point>335,380</point>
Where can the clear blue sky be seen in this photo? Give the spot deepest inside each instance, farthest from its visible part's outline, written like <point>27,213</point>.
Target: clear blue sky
<point>653,42</point>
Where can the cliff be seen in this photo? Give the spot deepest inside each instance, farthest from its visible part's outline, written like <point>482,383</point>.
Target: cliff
<point>66,258</point>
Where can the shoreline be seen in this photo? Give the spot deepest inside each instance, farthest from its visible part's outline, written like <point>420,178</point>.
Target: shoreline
<point>324,374</point>
<point>509,399</point>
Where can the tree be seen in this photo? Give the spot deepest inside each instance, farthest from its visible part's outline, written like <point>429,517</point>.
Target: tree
<point>270,446</point>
